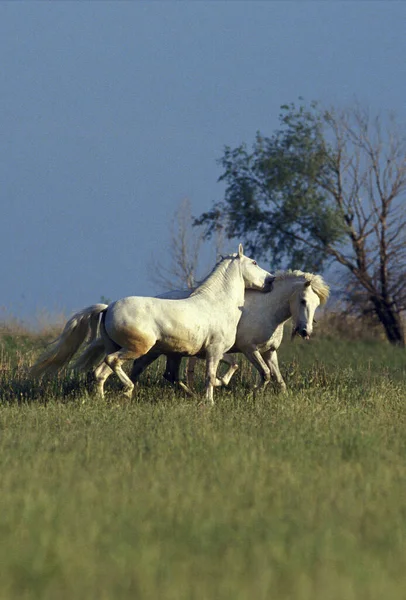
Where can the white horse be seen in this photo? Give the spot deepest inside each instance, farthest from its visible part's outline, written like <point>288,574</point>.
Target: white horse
<point>295,295</point>
<point>203,324</point>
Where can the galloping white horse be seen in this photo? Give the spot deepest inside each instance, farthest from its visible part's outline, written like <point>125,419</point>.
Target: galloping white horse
<point>260,330</point>
<point>203,324</point>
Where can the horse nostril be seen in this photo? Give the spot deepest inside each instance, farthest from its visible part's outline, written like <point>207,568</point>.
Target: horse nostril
<point>269,281</point>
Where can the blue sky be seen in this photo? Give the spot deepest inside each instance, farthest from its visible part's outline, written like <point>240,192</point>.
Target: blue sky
<point>113,112</point>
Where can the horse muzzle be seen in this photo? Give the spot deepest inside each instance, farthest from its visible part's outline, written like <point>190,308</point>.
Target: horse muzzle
<point>268,285</point>
<point>302,332</point>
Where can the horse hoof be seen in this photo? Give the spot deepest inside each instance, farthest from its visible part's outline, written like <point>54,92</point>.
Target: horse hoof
<point>205,405</point>
<point>186,389</point>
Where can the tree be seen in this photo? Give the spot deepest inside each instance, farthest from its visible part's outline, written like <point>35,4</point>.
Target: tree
<point>328,186</point>
<point>183,259</point>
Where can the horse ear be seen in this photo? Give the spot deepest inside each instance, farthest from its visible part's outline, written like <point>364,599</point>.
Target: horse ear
<point>307,284</point>
<point>240,250</point>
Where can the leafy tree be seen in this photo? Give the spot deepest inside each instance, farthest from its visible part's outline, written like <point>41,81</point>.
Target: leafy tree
<point>327,186</point>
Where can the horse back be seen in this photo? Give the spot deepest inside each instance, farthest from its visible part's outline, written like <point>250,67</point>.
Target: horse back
<point>184,326</point>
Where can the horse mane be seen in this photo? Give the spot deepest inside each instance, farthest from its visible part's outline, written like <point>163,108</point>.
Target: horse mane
<point>319,286</point>
<point>207,283</point>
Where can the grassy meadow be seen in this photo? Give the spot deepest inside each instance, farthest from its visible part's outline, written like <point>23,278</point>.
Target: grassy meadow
<point>298,496</point>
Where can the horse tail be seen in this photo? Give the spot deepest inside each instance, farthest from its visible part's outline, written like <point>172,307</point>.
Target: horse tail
<point>84,324</point>
<point>92,356</point>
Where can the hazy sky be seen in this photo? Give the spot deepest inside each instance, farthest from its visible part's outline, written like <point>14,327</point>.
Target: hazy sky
<point>113,112</point>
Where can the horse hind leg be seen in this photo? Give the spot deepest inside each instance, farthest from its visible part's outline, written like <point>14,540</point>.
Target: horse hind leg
<point>101,373</point>
<point>255,357</point>
<point>271,359</point>
<point>116,359</point>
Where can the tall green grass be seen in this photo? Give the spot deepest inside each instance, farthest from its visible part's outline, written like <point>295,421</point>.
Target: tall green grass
<point>297,496</point>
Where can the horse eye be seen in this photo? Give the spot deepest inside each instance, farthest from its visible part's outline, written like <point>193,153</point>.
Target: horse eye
<point>303,302</point>
<point>254,262</point>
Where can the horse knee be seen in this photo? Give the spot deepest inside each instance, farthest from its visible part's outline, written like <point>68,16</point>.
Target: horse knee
<point>266,375</point>
<point>169,376</point>
<point>111,361</point>
<point>211,379</point>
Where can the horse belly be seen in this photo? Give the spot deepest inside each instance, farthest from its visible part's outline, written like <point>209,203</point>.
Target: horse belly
<point>263,339</point>
<point>180,338</point>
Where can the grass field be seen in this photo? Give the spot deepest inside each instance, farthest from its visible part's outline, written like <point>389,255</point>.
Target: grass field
<point>299,496</point>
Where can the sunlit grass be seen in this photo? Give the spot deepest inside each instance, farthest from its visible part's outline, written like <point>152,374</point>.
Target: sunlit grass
<point>299,496</point>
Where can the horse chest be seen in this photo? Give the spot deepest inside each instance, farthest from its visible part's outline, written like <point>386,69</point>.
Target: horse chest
<point>273,342</point>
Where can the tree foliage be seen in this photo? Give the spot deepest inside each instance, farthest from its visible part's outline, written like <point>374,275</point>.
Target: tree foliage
<point>275,199</point>
<point>326,186</point>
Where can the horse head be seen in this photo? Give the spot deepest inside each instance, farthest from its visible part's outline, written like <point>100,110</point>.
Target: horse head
<point>303,304</point>
<point>254,277</point>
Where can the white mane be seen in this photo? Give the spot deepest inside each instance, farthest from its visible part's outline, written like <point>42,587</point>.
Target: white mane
<point>318,285</point>
<point>216,276</point>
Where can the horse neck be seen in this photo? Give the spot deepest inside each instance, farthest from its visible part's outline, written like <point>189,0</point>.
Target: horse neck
<point>282,291</point>
<point>225,282</point>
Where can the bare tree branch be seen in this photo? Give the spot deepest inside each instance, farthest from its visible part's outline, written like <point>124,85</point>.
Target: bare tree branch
<point>182,260</point>
<point>371,176</point>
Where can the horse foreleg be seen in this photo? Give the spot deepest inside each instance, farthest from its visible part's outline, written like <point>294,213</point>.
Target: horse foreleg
<point>172,368</point>
<point>271,359</point>
<point>255,357</point>
<point>190,373</point>
<point>223,381</point>
<point>233,367</point>
<point>172,373</point>
<point>185,388</point>
<point>212,362</point>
